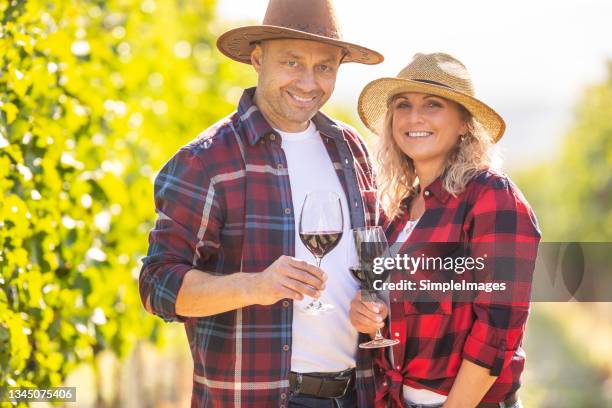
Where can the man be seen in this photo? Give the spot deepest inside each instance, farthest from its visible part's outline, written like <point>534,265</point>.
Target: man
<point>223,256</point>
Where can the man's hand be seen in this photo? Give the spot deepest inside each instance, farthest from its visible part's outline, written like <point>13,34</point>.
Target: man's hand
<point>367,316</point>
<point>288,278</point>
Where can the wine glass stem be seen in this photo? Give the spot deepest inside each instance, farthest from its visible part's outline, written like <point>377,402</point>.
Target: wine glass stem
<point>379,335</point>
<point>316,303</point>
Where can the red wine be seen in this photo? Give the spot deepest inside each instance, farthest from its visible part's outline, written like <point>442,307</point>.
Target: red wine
<point>366,276</point>
<point>359,274</point>
<point>320,243</point>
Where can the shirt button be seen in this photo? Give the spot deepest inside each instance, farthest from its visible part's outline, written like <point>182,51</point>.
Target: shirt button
<point>272,137</point>
<point>287,211</point>
<point>384,384</point>
<point>398,367</point>
<point>426,193</point>
<point>279,166</point>
<point>285,303</point>
<point>356,203</point>
<point>283,395</point>
<point>285,347</point>
<point>346,160</point>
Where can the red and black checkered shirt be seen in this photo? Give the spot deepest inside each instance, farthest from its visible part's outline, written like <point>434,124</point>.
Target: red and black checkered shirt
<point>224,205</point>
<point>492,217</point>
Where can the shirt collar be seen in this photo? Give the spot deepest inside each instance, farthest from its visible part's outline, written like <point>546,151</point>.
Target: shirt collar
<point>256,126</point>
<point>437,190</point>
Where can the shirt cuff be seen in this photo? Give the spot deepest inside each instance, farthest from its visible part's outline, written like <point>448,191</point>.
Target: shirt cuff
<point>165,291</point>
<point>486,355</point>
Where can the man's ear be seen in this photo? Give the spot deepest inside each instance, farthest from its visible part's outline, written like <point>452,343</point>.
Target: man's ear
<point>256,57</point>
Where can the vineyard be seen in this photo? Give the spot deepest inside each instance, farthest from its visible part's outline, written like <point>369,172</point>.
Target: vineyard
<point>94,96</point>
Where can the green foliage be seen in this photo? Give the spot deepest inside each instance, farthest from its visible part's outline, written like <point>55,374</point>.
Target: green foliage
<point>94,97</point>
<point>572,196</point>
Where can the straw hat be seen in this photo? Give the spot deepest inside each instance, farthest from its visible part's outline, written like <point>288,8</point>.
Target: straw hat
<point>436,74</point>
<point>294,19</point>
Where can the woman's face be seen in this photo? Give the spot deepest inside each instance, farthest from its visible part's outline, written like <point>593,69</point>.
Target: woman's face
<point>426,127</point>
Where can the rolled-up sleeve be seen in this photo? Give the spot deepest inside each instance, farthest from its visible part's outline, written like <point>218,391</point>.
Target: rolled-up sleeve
<point>186,232</point>
<point>505,233</point>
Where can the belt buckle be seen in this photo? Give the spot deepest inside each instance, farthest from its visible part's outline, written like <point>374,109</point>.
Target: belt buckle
<point>298,383</point>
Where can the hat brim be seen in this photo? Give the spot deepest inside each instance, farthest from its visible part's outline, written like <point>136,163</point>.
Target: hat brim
<point>238,43</point>
<point>374,98</point>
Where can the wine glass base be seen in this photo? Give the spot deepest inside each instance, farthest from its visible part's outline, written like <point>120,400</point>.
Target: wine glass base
<point>379,343</point>
<point>314,309</point>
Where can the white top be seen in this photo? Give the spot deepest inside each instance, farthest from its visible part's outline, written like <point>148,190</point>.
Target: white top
<point>326,342</point>
<point>413,395</point>
<point>407,230</point>
<point>421,396</point>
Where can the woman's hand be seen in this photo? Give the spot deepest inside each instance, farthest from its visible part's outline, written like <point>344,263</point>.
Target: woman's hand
<point>367,316</point>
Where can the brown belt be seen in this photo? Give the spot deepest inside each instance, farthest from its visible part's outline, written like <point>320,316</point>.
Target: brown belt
<point>322,385</point>
<point>509,402</point>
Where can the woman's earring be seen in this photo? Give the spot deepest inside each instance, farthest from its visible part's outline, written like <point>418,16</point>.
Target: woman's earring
<point>463,138</point>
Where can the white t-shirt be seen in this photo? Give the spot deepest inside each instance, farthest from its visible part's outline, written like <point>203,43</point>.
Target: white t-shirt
<point>326,342</point>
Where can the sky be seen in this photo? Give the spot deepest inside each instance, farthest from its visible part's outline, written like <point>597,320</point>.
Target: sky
<point>529,60</point>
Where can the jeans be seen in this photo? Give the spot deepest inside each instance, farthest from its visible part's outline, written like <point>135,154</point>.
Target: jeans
<point>308,401</point>
<point>518,404</point>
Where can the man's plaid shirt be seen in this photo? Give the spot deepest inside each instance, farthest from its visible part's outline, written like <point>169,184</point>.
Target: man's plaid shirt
<point>493,219</point>
<point>224,205</point>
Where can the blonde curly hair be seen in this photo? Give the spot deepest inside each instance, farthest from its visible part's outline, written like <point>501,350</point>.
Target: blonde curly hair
<point>396,176</point>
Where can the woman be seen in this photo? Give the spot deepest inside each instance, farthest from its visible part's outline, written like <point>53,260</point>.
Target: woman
<point>438,186</point>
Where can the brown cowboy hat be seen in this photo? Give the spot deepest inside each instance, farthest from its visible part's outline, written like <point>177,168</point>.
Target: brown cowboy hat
<point>436,74</point>
<point>294,19</point>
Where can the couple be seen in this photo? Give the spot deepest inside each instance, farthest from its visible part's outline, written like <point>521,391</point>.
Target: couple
<point>225,257</point>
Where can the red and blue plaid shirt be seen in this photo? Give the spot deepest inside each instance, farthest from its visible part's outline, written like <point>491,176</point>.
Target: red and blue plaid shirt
<point>224,205</point>
<point>492,217</point>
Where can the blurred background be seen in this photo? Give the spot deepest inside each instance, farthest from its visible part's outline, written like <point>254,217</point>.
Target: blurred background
<point>96,95</point>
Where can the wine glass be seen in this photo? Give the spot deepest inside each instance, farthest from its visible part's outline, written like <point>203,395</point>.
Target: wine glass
<point>371,243</point>
<point>321,227</point>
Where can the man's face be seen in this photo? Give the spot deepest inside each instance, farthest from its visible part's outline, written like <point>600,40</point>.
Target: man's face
<point>295,79</point>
